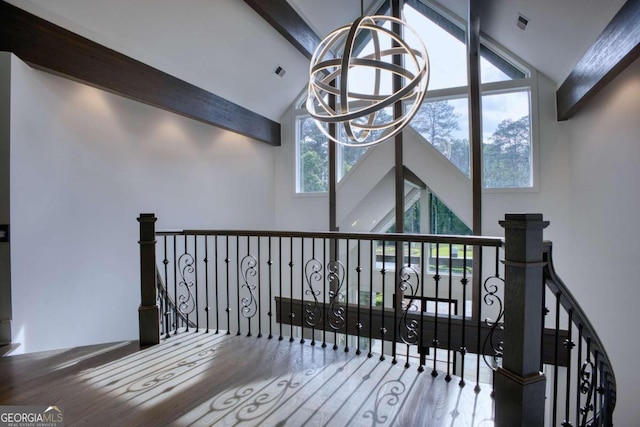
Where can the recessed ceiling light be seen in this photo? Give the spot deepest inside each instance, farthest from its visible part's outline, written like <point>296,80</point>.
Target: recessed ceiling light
<point>522,22</point>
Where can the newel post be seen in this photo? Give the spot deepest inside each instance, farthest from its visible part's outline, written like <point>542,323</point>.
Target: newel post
<point>519,385</point>
<point>148,313</point>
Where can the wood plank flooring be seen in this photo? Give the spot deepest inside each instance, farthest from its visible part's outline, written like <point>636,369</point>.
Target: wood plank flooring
<point>204,379</point>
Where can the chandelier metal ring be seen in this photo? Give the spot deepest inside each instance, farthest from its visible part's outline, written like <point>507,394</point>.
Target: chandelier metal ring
<point>358,115</point>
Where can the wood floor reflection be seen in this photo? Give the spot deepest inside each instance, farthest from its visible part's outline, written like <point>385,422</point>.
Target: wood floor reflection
<point>202,379</point>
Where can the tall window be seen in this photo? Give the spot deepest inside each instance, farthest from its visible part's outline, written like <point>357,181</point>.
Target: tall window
<point>443,119</point>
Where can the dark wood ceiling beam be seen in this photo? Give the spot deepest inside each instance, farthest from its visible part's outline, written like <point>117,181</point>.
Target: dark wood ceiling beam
<point>288,23</point>
<point>51,48</point>
<point>615,49</point>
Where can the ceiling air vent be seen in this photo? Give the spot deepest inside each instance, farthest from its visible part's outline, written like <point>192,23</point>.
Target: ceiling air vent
<point>280,71</point>
<point>522,22</point>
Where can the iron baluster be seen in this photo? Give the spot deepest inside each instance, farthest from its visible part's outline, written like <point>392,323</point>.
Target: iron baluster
<point>270,312</point>
<point>167,308</point>
<point>463,348</point>
<point>478,315</point>
<point>324,294</point>
<point>422,309</point>
<point>175,284</point>
<point>195,263</point>
<point>491,289</point>
<point>215,255</point>
<point>435,342</point>
<point>358,320</point>
<point>336,277</point>
<point>302,311</point>
<point>206,280</point>
<point>249,270</point>
<point>228,308</point>
<point>313,273</point>
<point>280,338</point>
<point>292,315</point>
<point>408,329</point>
<point>448,376</point>
<point>346,323</point>
<point>372,301</point>
<point>578,379</point>
<point>596,389</point>
<point>545,312</point>
<point>555,362</point>
<point>383,272</point>
<point>568,345</point>
<point>587,385</point>
<point>186,301</point>
<point>238,269</point>
<point>397,296</point>
<point>259,294</point>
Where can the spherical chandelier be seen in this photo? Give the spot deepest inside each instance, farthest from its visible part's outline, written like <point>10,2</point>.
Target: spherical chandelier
<point>359,115</point>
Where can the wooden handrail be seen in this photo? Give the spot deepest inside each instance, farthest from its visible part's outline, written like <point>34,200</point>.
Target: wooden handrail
<point>338,235</point>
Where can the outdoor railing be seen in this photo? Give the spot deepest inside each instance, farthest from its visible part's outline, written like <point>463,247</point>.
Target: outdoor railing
<point>431,301</point>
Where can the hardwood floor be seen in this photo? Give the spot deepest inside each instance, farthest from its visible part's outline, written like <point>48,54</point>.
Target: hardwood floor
<point>196,379</point>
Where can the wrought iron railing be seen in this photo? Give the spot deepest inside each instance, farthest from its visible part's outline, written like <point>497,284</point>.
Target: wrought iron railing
<point>431,301</point>
<point>583,392</point>
<point>342,290</point>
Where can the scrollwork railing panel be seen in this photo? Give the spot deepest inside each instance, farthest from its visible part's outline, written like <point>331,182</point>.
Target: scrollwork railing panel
<point>491,287</point>
<point>313,273</point>
<point>335,277</point>
<point>409,284</point>
<point>186,299</point>
<point>249,271</point>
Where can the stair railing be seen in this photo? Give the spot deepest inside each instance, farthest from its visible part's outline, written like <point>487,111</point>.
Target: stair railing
<point>588,397</point>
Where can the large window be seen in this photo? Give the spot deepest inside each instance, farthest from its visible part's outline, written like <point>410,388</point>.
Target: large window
<point>443,118</point>
<point>506,145</point>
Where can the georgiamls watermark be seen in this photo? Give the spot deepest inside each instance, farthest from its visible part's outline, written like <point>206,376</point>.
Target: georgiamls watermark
<point>31,416</point>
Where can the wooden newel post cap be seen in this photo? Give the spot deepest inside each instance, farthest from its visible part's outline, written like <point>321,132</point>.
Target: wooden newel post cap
<point>147,217</point>
<point>528,220</point>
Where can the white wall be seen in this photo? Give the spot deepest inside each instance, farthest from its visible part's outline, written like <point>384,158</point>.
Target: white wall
<point>84,164</point>
<point>604,141</point>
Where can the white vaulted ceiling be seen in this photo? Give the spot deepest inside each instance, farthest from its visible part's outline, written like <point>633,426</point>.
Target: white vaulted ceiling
<point>222,46</point>
<point>226,48</point>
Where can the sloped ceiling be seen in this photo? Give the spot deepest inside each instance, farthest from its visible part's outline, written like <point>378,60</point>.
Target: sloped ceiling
<point>222,46</point>
<point>558,35</point>
<point>226,48</point>
<point>559,32</point>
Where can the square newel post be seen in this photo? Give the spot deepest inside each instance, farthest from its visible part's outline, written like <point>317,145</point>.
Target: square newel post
<point>519,385</point>
<point>148,313</point>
